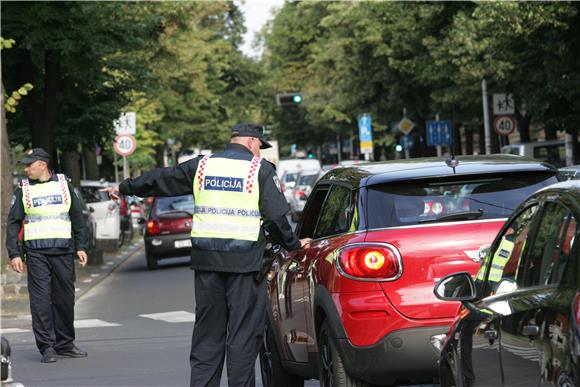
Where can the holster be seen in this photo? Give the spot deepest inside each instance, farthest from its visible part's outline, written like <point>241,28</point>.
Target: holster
<point>271,254</point>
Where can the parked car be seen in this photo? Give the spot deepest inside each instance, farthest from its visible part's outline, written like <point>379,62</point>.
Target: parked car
<point>356,305</point>
<point>106,213</point>
<point>304,184</point>
<point>571,172</point>
<point>95,253</point>
<point>168,229</point>
<point>520,320</point>
<point>289,169</point>
<point>552,151</point>
<point>125,212</point>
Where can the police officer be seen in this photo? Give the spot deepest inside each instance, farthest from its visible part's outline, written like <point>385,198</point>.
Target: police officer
<point>237,196</point>
<point>50,213</point>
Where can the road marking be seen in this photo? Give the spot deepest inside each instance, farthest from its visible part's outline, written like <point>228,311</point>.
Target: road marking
<point>94,323</point>
<point>94,275</point>
<point>172,317</point>
<point>87,281</point>
<point>13,330</point>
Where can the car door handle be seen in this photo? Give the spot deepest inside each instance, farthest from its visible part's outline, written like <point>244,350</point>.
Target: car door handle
<point>490,334</point>
<point>530,330</point>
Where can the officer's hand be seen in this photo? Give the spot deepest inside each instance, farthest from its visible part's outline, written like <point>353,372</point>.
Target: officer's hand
<point>305,242</point>
<point>112,191</point>
<point>17,264</point>
<point>82,257</point>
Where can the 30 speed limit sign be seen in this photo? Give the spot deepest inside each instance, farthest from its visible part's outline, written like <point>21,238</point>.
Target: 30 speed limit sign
<point>504,125</point>
<point>125,144</point>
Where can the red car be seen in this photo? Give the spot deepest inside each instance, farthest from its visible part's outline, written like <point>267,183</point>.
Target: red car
<point>168,229</point>
<point>356,307</point>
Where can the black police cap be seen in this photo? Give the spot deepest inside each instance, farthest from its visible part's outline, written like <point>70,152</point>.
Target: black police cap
<point>33,155</point>
<point>251,130</point>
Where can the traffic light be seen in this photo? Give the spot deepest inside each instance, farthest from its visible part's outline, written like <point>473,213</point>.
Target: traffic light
<point>289,99</point>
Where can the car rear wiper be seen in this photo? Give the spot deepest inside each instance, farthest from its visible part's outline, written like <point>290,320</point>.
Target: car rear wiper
<point>463,215</point>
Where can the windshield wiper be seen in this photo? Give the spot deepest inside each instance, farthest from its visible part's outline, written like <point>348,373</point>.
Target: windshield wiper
<point>463,215</point>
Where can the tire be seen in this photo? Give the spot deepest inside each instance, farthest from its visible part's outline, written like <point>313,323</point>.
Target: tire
<point>331,367</point>
<point>121,239</point>
<point>152,261</point>
<point>273,373</point>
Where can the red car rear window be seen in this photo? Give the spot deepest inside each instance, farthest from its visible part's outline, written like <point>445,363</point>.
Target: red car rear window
<point>445,199</point>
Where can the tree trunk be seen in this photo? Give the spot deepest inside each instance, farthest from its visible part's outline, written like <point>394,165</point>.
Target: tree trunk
<point>42,132</point>
<point>90,160</point>
<point>482,140</point>
<point>468,141</point>
<point>71,167</point>
<point>523,126</point>
<point>456,138</point>
<point>6,180</point>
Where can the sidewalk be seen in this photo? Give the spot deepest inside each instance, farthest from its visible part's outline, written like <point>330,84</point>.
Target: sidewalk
<point>15,309</point>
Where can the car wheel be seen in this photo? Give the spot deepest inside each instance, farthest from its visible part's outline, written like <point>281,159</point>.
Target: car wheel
<point>331,367</point>
<point>121,239</point>
<point>152,261</point>
<point>273,374</point>
<point>446,378</point>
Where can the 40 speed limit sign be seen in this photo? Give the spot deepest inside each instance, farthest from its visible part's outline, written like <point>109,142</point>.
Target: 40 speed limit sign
<point>504,125</point>
<point>125,144</point>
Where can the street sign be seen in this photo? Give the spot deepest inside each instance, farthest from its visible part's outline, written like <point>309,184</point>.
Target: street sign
<point>125,144</point>
<point>439,132</point>
<point>405,125</point>
<point>407,142</point>
<point>504,125</point>
<point>503,104</point>
<point>126,123</point>
<point>365,134</point>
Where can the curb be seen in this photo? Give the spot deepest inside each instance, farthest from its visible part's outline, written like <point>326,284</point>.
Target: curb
<point>14,292</point>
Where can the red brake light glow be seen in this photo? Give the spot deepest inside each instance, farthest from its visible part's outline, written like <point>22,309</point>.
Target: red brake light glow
<point>153,227</point>
<point>370,262</point>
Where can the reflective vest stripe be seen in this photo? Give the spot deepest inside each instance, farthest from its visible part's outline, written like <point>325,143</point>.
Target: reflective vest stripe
<point>219,228</point>
<point>40,230</point>
<point>40,218</point>
<point>226,211</point>
<point>201,170</point>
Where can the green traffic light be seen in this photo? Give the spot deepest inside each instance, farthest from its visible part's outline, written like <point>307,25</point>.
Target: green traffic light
<point>297,99</point>
<point>399,148</point>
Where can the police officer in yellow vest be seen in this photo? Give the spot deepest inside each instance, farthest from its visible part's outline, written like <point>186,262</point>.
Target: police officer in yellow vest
<point>46,206</point>
<point>237,196</point>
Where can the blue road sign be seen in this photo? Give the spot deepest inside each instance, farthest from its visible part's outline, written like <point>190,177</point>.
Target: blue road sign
<point>365,134</point>
<point>407,142</point>
<point>439,132</point>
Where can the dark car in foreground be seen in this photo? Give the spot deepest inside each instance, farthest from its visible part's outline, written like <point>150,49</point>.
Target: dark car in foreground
<point>168,229</point>
<point>520,320</point>
<point>356,306</point>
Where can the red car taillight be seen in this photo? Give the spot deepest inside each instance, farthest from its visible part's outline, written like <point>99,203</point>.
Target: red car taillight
<point>153,227</point>
<point>370,261</point>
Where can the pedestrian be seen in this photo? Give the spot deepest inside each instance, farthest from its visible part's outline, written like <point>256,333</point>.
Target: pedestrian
<point>46,206</point>
<point>237,198</point>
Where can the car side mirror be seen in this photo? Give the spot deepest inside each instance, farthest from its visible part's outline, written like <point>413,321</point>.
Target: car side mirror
<point>455,287</point>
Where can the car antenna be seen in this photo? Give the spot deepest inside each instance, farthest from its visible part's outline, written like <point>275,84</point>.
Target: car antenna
<point>451,161</point>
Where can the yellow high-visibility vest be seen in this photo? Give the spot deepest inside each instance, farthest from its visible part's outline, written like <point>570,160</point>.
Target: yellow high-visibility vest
<point>227,194</point>
<point>47,208</point>
<point>500,259</point>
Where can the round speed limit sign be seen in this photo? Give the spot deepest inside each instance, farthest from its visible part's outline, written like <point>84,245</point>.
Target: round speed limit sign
<point>125,144</point>
<point>504,125</point>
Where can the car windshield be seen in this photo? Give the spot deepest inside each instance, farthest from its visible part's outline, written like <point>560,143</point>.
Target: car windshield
<point>94,194</point>
<point>290,177</point>
<point>182,203</point>
<point>415,202</point>
<point>307,179</point>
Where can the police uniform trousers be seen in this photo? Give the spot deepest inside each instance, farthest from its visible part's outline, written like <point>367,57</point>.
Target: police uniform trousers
<point>52,296</point>
<point>229,321</point>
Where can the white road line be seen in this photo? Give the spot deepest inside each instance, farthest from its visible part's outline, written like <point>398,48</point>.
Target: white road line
<point>94,323</point>
<point>13,330</point>
<point>87,281</point>
<point>172,317</point>
<point>94,275</point>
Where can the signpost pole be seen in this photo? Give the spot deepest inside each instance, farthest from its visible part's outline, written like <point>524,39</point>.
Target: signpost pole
<point>116,168</point>
<point>486,117</point>
<point>438,147</point>
<point>125,168</point>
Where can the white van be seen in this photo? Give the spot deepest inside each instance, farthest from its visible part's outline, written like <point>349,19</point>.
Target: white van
<point>552,151</point>
<point>288,171</point>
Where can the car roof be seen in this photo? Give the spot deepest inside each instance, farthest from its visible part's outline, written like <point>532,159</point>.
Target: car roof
<point>434,167</point>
